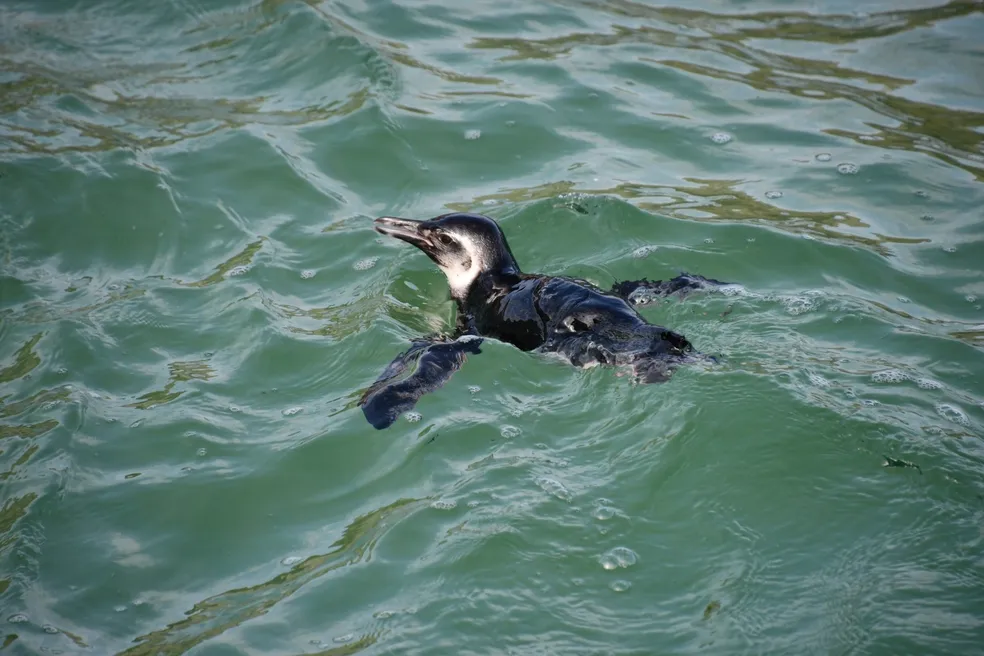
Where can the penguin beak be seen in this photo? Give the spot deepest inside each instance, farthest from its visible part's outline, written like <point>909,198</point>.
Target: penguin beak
<point>407,230</point>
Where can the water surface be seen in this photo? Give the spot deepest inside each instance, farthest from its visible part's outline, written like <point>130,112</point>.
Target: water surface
<point>192,301</point>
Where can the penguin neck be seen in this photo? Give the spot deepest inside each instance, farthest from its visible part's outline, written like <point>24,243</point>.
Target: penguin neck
<point>488,284</point>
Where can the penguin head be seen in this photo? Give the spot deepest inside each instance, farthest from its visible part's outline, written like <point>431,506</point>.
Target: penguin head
<point>464,246</point>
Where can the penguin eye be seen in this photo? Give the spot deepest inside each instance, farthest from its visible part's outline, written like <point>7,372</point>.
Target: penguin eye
<point>445,239</point>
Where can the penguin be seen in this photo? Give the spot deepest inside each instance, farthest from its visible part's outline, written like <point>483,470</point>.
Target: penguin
<point>547,314</point>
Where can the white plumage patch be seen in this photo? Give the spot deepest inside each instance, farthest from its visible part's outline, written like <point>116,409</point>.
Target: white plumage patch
<point>462,273</point>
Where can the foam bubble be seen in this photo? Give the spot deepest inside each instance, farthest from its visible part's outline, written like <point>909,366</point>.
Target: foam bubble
<point>366,264</point>
<point>290,412</point>
<point>847,168</point>
<point>553,487</point>
<point>952,413</point>
<point>47,628</point>
<point>474,389</point>
<point>308,273</point>
<point>444,504</point>
<point>19,618</point>
<point>823,157</point>
<point>773,194</point>
<point>620,585</point>
<point>950,249</point>
<point>202,452</point>
<point>471,135</point>
<point>928,384</point>
<point>509,432</point>
<point>619,557</point>
<point>290,561</point>
<point>238,270</point>
<point>708,241</point>
<point>644,251</point>
<point>721,137</point>
<point>604,513</point>
<point>890,376</point>
<point>903,299</point>
<point>970,298</point>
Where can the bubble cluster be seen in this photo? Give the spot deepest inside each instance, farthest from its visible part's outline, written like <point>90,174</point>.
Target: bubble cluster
<point>618,557</point>
<point>773,194</point>
<point>823,157</point>
<point>412,416</point>
<point>444,504</point>
<point>847,168</point>
<point>720,137</point>
<point>818,380</point>
<point>19,618</point>
<point>642,296</point>
<point>308,273</point>
<point>290,412</point>
<point>890,376</point>
<point>928,384</point>
<point>797,305</point>
<point>952,413</point>
<point>471,135</point>
<point>366,264</point>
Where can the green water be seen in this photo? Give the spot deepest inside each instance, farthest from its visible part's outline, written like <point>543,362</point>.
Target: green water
<point>192,300</point>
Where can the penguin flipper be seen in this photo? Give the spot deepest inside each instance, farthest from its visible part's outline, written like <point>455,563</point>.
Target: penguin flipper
<point>642,292</point>
<point>430,364</point>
